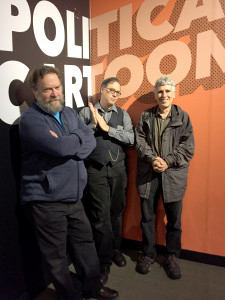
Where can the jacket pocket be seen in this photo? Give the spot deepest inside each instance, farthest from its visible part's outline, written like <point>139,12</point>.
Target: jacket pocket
<point>63,184</point>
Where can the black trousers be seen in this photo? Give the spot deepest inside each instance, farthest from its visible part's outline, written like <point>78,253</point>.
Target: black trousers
<point>104,201</point>
<point>56,225</point>
<point>173,213</point>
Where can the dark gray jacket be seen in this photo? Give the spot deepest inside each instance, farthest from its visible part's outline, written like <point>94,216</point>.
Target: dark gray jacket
<point>53,168</point>
<point>177,150</point>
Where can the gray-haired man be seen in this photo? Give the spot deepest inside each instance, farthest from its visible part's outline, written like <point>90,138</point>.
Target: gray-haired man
<point>165,145</point>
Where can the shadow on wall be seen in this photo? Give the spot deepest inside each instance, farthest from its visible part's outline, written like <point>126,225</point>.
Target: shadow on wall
<point>20,260</point>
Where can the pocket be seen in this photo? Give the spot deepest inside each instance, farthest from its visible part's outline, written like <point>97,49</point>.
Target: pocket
<point>63,182</point>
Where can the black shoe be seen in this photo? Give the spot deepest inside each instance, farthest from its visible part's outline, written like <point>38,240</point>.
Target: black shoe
<point>106,293</point>
<point>104,277</point>
<point>119,259</point>
<point>144,264</point>
<point>172,268</point>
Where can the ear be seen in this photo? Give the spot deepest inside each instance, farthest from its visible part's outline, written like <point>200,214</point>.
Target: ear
<point>34,93</point>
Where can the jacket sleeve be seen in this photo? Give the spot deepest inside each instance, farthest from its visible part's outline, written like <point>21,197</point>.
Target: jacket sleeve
<point>35,137</point>
<point>184,151</point>
<point>143,140</point>
<point>88,142</point>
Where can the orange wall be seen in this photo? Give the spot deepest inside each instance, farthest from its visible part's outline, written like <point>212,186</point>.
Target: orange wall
<point>138,59</point>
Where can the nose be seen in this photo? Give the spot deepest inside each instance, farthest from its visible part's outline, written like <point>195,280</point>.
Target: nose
<point>54,92</point>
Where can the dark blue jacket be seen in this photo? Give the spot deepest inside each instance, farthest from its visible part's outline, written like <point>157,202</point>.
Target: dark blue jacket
<point>53,168</point>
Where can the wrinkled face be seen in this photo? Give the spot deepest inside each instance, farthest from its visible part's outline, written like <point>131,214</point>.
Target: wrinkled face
<point>110,94</point>
<point>49,94</point>
<point>164,96</point>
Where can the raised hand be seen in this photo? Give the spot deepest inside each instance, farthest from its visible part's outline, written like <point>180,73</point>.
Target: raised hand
<point>94,111</point>
<point>102,123</point>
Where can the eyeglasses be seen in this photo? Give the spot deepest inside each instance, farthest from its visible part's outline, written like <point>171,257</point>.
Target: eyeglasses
<point>112,91</point>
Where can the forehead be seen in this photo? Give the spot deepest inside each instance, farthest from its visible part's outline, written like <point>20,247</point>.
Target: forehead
<point>114,85</point>
<point>49,80</point>
<point>166,87</point>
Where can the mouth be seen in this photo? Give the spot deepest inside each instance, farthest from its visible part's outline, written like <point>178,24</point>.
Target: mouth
<point>54,100</point>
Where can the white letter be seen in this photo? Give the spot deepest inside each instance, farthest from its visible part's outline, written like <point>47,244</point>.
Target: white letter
<point>73,89</point>
<point>73,50</point>
<point>9,23</point>
<point>134,65</point>
<point>87,73</point>
<point>176,48</point>
<point>101,23</point>
<point>208,45</point>
<point>146,30</point>
<point>126,26</point>
<point>9,71</point>
<point>42,11</point>
<point>85,34</point>
<point>210,8</point>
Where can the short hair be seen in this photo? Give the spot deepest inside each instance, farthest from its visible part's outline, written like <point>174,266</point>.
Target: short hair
<point>107,81</point>
<point>39,72</point>
<point>164,80</point>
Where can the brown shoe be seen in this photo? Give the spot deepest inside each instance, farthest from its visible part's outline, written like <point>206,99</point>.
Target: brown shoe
<point>106,293</point>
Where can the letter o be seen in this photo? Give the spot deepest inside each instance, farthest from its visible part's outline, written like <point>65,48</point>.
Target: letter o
<point>42,11</point>
<point>135,67</point>
<point>176,48</point>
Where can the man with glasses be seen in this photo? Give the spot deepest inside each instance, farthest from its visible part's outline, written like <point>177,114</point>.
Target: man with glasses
<point>104,197</point>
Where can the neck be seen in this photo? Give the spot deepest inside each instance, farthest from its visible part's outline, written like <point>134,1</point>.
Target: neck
<point>164,111</point>
<point>105,105</point>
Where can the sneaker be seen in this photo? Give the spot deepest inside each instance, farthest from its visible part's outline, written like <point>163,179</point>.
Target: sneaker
<point>144,264</point>
<point>172,268</point>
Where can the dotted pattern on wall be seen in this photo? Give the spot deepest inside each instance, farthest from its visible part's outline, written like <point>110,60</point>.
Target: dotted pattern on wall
<point>141,48</point>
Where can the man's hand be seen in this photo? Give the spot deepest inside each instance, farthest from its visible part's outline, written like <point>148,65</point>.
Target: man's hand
<point>102,123</point>
<point>159,165</point>
<point>98,119</point>
<point>53,134</point>
<point>94,111</point>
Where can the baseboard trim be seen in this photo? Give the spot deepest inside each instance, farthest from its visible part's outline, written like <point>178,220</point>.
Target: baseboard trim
<point>200,257</point>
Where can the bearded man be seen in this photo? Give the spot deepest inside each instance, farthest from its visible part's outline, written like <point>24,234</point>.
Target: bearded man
<point>54,143</point>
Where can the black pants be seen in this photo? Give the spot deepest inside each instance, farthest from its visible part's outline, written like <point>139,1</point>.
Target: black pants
<point>56,224</point>
<point>104,201</point>
<point>173,213</point>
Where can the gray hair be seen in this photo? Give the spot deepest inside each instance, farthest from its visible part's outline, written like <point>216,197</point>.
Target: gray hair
<point>164,80</point>
<point>40,72</point>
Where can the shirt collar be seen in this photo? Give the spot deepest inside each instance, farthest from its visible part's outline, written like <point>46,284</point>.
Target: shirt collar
<point>158,114</point>
<point>113,108</point>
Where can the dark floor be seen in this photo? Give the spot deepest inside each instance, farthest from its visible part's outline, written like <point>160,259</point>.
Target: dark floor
<point>199,282</point>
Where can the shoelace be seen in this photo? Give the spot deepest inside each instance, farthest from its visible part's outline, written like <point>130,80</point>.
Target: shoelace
<point>171,263</point>
<point>145,260</point>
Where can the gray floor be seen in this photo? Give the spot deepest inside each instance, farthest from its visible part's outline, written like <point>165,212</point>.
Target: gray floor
<point>198,282</point>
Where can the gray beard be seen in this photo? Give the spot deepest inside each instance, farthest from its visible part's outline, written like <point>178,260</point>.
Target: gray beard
<point>46,106</point>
